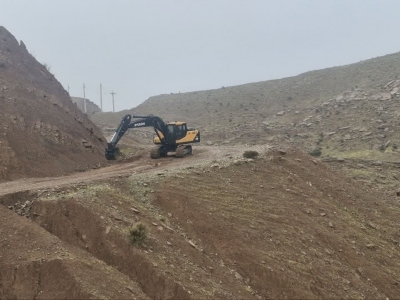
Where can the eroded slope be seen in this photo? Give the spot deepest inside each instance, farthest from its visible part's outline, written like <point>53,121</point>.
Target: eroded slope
<point>280,226</point>
<point>42,133</point>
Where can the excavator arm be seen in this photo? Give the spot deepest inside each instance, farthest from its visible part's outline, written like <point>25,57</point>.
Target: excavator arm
<point>126,123</point>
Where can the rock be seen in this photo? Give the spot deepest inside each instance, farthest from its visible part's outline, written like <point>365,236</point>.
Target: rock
<point>108,228</point>
<point>209,143</point>
<point>282,152</point>
<point>383,96</point>
<point>281,113</point>
<point>237,162</point>
<point>394,91</point>
<point>192,244</point>
<point>238,276</point>
<point>116,216</point>
<point>371,246</point>
<point>135,210</point>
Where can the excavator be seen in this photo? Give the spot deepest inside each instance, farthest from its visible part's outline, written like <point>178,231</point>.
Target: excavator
<point>170,136</point>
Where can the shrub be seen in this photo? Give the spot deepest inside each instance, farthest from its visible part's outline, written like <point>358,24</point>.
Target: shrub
<point>250,154</point>
<point>48,68</point>
<point>316,152</point>
<point>138,234</point>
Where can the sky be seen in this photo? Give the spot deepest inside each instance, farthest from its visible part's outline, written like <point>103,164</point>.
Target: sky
<point>144,48</point>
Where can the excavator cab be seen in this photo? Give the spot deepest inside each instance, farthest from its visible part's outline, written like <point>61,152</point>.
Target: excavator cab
<point>175,132</point>
<point>178,130</point>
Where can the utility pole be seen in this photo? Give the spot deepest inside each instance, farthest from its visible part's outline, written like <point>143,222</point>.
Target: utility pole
<point>112,93</point>
<point>84,99</point>
<point>68,90</point>
<point>101,97</point>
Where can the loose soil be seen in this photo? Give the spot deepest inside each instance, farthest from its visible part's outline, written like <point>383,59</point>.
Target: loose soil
<point>283,225</point>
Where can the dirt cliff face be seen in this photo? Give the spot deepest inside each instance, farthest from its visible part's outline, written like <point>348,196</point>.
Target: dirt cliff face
<point>42,133</point>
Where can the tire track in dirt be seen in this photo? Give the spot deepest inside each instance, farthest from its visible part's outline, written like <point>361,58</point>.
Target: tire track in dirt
<point>201,155</point>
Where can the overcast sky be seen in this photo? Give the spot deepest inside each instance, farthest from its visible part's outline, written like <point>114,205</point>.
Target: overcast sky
<point>145,48</point>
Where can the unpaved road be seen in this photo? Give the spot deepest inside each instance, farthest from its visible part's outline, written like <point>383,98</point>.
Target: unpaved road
<point>201,155</point>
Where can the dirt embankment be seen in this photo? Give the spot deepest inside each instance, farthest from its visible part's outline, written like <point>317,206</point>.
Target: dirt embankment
<point>42,133</point>
<point>282,225</point>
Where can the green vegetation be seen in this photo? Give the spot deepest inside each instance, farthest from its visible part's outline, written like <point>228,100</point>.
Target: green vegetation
<point>138,234</point>
<point>48,68</point>
<point>315,152</point>
<point>250,154</point>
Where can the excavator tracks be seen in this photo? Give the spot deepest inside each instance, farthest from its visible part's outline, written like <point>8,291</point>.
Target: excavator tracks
<point>155,153</point>
<point>181,151</point>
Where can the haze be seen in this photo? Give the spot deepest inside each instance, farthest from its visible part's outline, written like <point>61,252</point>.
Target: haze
<point>140,49</point>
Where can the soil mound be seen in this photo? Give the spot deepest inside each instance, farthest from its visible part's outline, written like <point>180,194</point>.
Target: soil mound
<point>42,133</point>
<point>35,264</point>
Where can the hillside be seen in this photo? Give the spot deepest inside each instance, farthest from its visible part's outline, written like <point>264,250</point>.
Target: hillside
<point>280,226</point>
<point>91,107</point>
<point>42,133</point>
<point>347,111</point>
<point>215,224</point>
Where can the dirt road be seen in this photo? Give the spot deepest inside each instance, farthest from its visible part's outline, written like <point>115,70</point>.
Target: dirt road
<point>201,155</point>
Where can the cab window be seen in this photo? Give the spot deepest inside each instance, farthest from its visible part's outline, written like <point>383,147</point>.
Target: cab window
<point>180,131</point>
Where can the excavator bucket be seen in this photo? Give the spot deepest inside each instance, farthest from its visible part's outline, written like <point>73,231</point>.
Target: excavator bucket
<point>112,152</point>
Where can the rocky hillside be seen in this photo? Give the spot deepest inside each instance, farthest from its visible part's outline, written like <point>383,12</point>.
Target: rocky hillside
<point>349,110</point>
<point>42,133</point>
<point>91,107</point>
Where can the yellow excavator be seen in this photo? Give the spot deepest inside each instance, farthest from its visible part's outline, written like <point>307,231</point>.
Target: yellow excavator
<point>170,137</point>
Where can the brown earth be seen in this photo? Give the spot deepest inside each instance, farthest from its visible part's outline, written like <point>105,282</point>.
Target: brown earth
<point>219,226</point>
<point>281,225</point>
<point>42,133</point>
